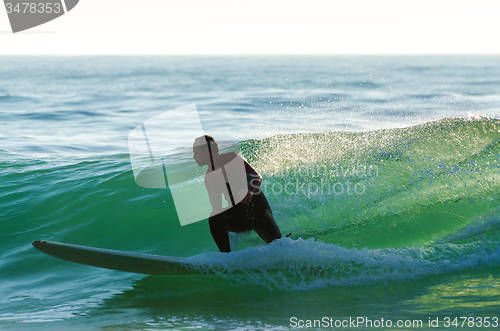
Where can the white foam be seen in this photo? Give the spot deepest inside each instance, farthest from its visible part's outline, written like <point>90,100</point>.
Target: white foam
<point>308,264</point>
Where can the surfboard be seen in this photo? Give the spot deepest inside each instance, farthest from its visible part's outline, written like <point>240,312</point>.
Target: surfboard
<point>118,260</point>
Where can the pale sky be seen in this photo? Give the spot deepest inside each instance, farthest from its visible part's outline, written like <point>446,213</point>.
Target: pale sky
<point>263,27</point>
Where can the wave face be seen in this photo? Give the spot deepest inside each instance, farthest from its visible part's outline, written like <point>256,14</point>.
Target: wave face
<point>388,188</point>
<point>423,199</point>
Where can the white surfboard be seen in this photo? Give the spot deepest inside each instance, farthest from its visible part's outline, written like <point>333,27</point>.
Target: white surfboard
<point>118,260</point>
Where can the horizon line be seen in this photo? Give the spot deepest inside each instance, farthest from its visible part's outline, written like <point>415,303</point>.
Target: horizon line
<point>264,54</point>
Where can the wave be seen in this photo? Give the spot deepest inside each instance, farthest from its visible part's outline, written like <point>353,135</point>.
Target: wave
<point>361,207</point>
<point>309,264</point>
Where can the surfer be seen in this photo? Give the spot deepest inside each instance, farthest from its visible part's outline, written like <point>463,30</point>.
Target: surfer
<point>247,209</point>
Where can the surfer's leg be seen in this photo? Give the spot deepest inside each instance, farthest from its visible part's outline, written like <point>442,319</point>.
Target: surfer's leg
<point>222,223</point>
<point>262,219</point>
<point>267,228</point>
<point>219,233</point>
<point>238,226</point>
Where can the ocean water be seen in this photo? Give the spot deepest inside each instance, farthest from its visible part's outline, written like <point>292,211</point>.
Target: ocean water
<point>384,169</point>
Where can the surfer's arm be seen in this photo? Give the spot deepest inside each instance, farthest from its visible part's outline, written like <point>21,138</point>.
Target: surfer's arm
<point>216,202</point>
<point>215,197</point>
<point>254,179</point>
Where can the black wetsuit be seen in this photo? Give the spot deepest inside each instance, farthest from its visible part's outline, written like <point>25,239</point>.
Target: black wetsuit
<point>254,215</point>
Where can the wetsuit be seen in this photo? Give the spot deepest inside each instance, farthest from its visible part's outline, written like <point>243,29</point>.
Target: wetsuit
<point>255,214</point>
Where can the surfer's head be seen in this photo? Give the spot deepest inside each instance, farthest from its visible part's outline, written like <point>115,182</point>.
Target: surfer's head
<point>202,148</point>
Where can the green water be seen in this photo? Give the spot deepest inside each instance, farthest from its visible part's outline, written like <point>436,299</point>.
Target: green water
<point>417,240</point>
